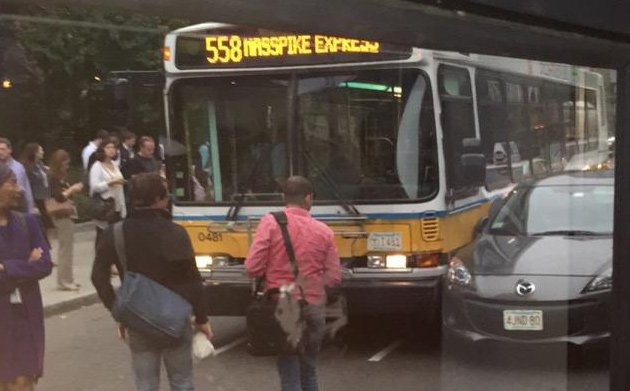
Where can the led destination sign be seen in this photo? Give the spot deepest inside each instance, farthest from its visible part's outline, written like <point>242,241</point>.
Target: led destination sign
<point>235,50</point>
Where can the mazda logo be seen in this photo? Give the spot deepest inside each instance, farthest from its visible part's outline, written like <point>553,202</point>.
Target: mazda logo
<point>524,288</point>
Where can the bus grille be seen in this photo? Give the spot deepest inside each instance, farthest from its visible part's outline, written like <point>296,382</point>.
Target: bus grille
<point>430,229</point>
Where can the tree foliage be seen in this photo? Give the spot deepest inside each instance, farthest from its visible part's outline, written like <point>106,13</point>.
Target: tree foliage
<point>58,58</point>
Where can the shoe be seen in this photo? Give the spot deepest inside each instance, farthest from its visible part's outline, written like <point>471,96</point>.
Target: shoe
<point>69,287</point>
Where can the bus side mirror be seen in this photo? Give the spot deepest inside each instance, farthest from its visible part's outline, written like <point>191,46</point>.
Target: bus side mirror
<point>473,169</point>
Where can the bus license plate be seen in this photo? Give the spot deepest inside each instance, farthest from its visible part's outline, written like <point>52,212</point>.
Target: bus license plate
<point>530,320</point>
<point>384,241</point>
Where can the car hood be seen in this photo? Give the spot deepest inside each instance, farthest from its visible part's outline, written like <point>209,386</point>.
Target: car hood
<point>540,255</point>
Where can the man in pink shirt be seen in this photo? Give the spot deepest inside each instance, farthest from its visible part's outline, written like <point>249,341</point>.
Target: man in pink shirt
<point>318,265</point>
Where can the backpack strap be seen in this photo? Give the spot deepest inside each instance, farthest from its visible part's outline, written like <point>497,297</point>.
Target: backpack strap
<point>119,243</point>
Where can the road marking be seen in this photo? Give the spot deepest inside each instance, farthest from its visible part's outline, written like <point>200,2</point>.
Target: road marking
<point>229,346</point>
<point>383,353</point>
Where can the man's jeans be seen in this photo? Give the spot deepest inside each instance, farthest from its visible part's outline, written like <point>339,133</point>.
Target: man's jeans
<point>298,372</point>
<point>146,362</point>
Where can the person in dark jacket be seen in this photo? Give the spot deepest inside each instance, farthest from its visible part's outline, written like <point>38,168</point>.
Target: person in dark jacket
<point>33,161</point>
<point>125,151</point>
<point>162,251</point>
<point>144,161</point>
<point>24,260</point>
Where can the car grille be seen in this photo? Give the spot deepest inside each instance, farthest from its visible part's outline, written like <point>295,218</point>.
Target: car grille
<point>559,318</point>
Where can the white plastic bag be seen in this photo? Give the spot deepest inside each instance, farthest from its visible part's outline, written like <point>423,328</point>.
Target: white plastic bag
<point>201,347</point>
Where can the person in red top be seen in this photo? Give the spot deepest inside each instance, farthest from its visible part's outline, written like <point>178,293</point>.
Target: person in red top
<point>319,267</point>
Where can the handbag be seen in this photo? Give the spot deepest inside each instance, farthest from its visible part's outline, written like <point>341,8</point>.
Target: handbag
<point>274,319</point>
<point>148,307</point>
<point>103,209</point>
<point>59,209</point>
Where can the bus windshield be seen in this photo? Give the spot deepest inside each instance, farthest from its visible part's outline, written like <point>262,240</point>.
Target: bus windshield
<point>360,136</point>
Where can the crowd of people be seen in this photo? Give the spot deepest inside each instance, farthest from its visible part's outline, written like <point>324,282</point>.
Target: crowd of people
<point>36,199</point>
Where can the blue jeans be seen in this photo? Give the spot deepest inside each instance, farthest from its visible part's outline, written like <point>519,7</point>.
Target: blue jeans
<point>146,362</point>
<point>298,372</point>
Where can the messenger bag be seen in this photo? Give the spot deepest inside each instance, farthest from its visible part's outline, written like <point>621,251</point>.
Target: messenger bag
<point>146,306</point>
<point>274,319</point>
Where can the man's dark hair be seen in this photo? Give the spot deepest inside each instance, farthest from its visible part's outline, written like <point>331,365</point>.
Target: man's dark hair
<point>6,141</point>
<point>296,189</point>
<point>147,188</point>
<point>102,134</point>
<point>127,135</point>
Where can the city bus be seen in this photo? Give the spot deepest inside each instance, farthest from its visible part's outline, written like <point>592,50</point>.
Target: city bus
<point>405,147</point>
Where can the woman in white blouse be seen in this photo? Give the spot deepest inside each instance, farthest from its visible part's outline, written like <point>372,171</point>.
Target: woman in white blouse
<point>107,181</point>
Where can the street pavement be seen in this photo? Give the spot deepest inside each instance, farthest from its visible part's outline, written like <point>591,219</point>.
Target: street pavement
<point>83,353</point>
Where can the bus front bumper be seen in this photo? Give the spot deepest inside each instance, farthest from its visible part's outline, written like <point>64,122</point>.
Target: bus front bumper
<point>383,292</point>
<point>368,291</point>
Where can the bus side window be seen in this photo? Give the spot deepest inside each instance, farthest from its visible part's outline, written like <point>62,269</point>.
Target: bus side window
<point>458,121</point>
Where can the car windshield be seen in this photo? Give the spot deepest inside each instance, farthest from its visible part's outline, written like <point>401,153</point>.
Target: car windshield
<point>557,210</point>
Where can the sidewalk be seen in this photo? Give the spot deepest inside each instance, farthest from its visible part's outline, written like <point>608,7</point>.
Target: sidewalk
<point>56,301</point>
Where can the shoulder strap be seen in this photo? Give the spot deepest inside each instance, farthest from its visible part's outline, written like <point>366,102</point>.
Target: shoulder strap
<point>281,218</point>
<point>119,243</point>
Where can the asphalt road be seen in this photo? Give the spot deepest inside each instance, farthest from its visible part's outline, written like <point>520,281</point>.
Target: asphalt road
<point>83,353</point>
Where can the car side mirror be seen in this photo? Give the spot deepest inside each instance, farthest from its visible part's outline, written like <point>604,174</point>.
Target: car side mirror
<point>481,225</point>
<point>495,207</point>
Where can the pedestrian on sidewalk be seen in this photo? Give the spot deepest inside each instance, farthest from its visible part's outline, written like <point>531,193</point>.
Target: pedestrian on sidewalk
<point>32,159</point>
<point>107,181</point>
<point>160,250</point>
<point>144,160</point>
<point>318,268</point>
<point>62,192</point>
<point>24,260</point>
<point>25,203</point>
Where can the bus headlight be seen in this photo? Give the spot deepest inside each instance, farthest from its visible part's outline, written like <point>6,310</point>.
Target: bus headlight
<point>397,261</point>
<point>375,262</point>
<point>203,261</point>
<point>394,261</point>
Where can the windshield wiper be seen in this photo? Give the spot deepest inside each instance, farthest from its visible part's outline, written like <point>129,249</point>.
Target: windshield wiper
<point>332,186</point>
<point>569,232</point>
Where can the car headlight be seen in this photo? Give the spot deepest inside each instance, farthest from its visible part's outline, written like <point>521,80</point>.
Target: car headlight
<point>600,283</point>
<point>458,273</point>
<point>203,261</point>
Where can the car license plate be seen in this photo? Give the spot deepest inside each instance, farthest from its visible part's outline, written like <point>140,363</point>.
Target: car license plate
<point>529,320</point>
<point>384,241</point>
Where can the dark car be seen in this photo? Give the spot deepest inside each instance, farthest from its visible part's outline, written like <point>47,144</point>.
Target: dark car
<point>540,268</point>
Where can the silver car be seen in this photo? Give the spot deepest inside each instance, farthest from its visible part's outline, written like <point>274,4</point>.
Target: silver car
<point>540,268</point>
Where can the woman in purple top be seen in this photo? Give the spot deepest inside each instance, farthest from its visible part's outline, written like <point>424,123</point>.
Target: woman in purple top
<point>24,260</point>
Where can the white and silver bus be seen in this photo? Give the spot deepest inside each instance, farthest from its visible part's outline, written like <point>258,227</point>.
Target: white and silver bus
<point>405,148</point>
